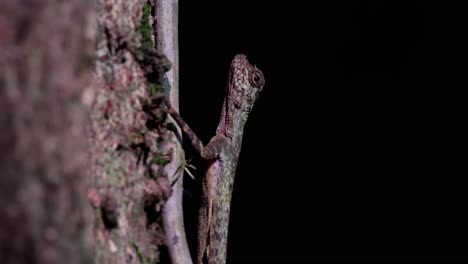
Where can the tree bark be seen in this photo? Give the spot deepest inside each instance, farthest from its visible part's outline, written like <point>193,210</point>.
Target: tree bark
<point>129,144</point>
<point>45,65</point>
<point>70,146</point>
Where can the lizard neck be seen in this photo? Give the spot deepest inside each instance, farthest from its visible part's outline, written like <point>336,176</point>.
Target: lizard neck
<point>232,123</point>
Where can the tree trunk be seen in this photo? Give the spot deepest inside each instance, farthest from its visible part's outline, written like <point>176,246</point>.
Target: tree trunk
<point>130,144</point>
<point>58,158</point>
<point>45,64</point>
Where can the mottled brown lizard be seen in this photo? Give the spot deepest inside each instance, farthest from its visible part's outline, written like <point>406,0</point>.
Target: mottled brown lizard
<point>245,82</point>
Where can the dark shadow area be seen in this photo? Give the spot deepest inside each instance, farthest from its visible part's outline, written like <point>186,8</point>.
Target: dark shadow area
<point>350,154</point>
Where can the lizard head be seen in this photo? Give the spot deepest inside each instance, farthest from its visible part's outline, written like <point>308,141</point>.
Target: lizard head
<point>245,83</point>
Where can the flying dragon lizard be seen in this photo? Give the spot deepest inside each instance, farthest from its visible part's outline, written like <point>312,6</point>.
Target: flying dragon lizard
<point>245,82</point>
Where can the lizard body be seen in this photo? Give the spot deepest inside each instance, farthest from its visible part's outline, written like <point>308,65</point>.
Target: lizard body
<point>222,153</point>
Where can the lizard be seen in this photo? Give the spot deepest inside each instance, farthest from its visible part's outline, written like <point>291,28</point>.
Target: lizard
<point>245,82</point>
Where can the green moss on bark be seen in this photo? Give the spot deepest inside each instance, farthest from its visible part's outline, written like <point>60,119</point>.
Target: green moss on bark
<point>152,62</point>
<point>145,28</point>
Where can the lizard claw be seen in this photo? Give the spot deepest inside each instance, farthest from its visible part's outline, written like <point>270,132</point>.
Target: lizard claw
<point>186,166</point>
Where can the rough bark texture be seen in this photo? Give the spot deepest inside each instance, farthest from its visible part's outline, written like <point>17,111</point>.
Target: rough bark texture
<point>129,135</point>
<point>45,65</point>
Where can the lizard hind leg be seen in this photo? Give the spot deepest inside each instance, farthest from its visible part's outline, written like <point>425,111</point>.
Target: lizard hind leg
<point>205,217</point>
<point>203,225</point>
<point>217,144</point>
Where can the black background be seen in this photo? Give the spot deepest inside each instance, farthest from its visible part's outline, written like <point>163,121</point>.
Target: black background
<point>352,150</point>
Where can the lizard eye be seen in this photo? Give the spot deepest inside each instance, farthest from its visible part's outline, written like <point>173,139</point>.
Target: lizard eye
<point>256,79</point>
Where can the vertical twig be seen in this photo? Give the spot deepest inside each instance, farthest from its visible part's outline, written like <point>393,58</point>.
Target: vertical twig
<point>167,42</point>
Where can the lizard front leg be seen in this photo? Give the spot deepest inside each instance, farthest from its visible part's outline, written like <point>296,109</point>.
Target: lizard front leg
<point>214,147</point>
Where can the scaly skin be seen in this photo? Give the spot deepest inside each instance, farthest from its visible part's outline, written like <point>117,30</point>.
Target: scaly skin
<point>222,152</point>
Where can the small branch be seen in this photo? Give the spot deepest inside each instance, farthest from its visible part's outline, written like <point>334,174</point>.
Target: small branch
<point>167,42</point>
